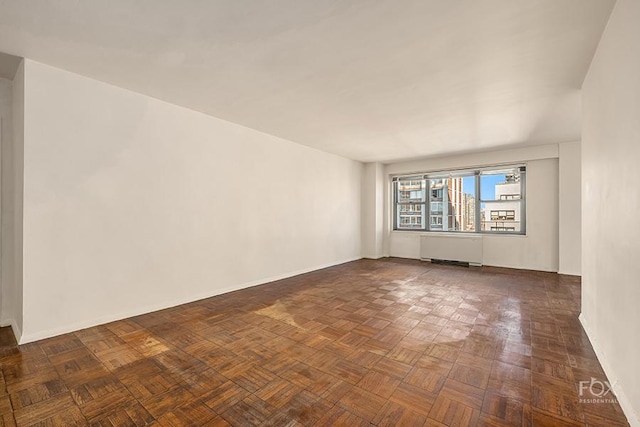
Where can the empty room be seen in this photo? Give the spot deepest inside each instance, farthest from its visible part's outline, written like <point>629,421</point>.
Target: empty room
<point>320,213</point>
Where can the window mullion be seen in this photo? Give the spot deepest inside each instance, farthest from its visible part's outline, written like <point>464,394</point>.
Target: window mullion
<point>478,203</point>
<point>427,208</point>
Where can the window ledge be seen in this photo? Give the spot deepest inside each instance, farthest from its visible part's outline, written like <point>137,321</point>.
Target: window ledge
<point>456,233</point>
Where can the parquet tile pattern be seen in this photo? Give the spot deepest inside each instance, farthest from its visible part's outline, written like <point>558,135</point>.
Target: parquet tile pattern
<point>386,343</point>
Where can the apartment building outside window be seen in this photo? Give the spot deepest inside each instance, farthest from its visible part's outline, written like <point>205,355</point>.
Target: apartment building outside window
<point>410,204</point>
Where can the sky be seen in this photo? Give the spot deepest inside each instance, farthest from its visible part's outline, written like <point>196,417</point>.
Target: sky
<point>487,185</point>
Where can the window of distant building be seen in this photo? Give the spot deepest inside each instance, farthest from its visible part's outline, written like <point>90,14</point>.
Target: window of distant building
<point>487,200</point>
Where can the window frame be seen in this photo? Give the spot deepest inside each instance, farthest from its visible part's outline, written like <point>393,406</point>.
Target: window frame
<point>508,226</point>
<point>397,203</point>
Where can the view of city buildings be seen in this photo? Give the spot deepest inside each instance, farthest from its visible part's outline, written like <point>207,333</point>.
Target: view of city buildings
<point>446,205</point>
<point>503,214</point>
<point>471,211</point>
<point>412,214</point>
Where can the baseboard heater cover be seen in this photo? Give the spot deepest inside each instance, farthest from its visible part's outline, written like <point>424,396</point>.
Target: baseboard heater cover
<point>462,248</point>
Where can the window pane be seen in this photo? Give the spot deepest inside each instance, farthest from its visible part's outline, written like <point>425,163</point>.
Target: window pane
<point>410,208</point>
<point>501,207</point>
<point>411,191</point>
<point>501,216</point>
<point>449,203</point>
<point>500,185</point>
<point>410,217</point>
<point>437,201</point>
<point>469,194</point>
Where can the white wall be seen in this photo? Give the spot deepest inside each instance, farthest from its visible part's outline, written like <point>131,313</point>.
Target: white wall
<point>5,135</point>
<point>11,202</point>
<point>133,204</point>
<point>570,208</point>
<point>611,204</point>
<point>538,250</point>
<point>373,179</point>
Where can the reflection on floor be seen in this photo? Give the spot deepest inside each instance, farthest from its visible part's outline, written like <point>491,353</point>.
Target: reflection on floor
<point>389,342</point>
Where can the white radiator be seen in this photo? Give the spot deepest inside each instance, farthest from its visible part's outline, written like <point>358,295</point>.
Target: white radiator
<point>463,248</point>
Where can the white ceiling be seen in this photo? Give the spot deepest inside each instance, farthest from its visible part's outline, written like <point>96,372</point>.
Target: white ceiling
<point>370,80</point>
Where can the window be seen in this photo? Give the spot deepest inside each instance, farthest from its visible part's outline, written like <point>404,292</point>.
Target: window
<point>502,228</point>
<point>448,210</point>
<point>436,207</point>
<point>509,215</point>
<point>488,200</point>
<point>509,196</point>
<point>502,200</point>
<point>410,204</point>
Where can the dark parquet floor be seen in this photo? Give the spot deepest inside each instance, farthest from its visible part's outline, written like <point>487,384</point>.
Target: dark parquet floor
<point>385,343</point>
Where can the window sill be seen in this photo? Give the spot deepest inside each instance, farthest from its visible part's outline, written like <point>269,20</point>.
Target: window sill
<point>457,233</point>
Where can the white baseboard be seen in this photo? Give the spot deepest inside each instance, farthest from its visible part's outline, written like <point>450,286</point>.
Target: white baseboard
<point>570,273</point>
<point>614,379</point>
<point>39,335</point>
